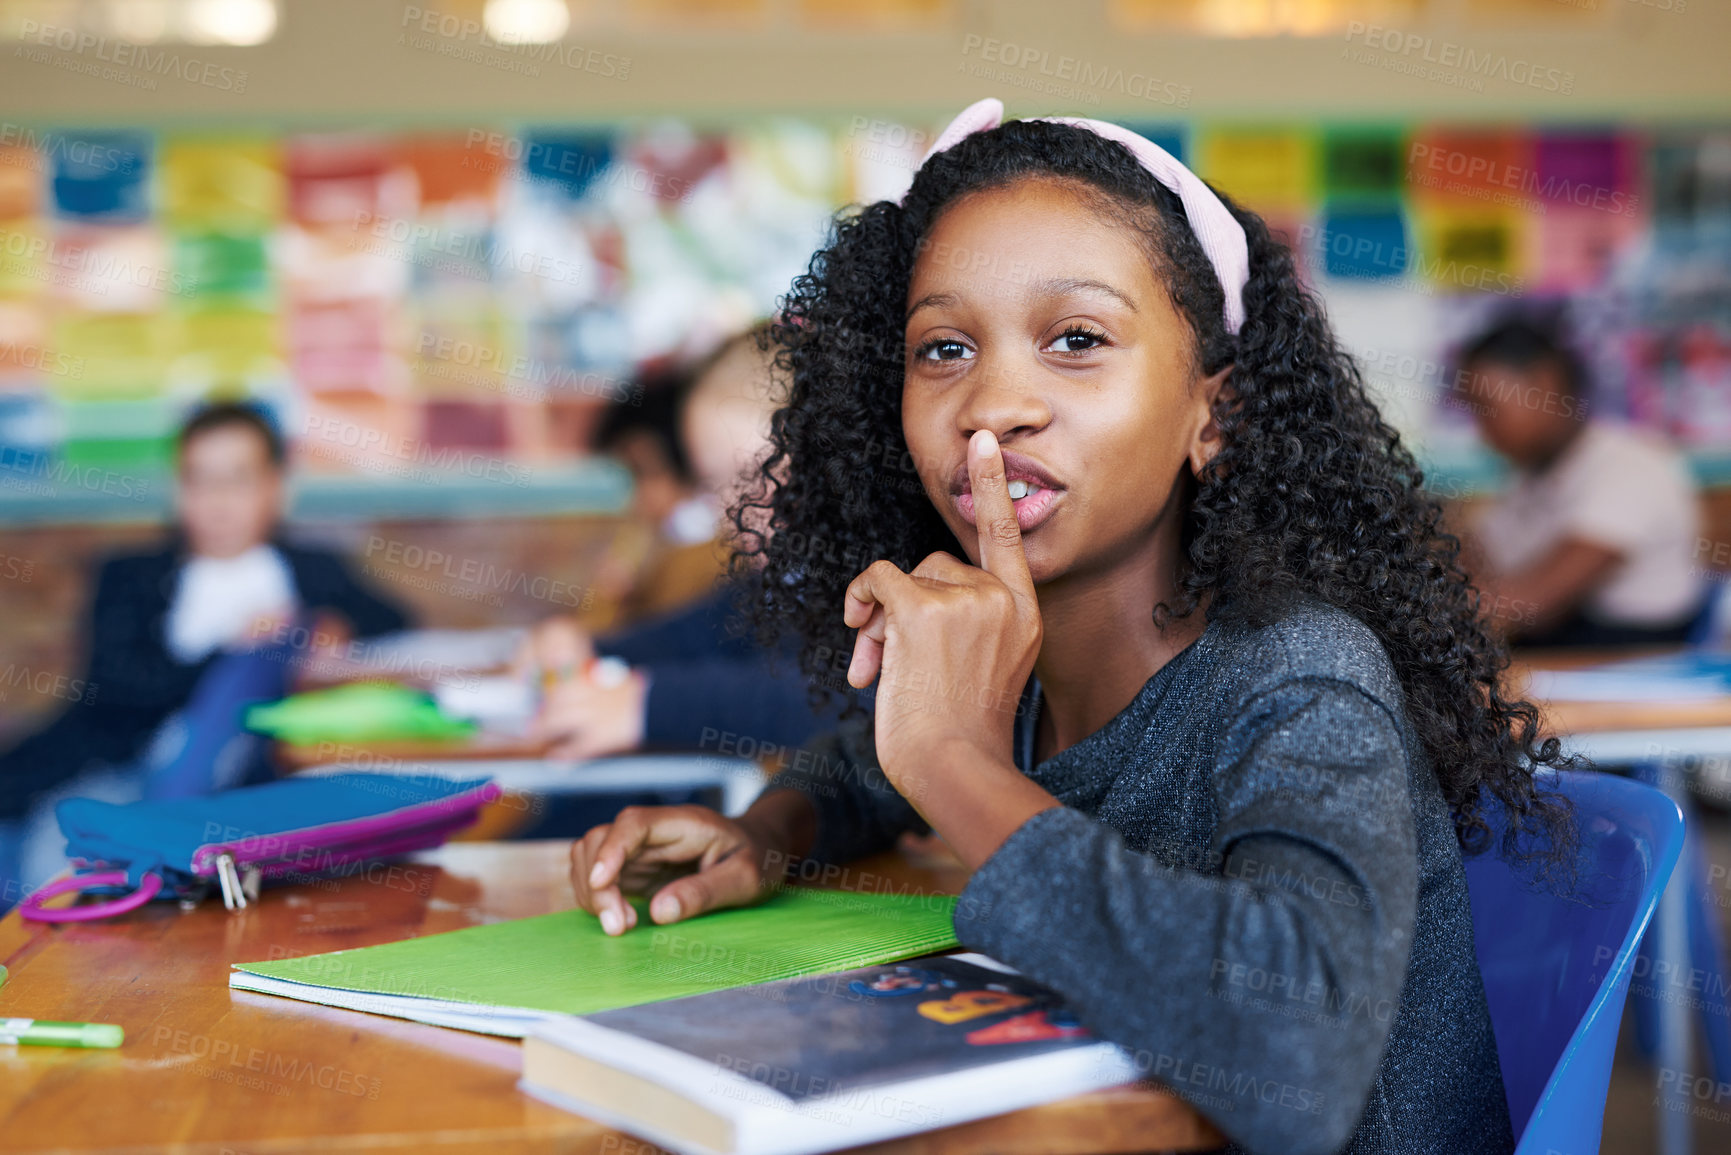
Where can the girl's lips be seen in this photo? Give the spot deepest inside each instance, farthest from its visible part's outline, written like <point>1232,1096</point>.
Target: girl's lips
<point>1030,510</point>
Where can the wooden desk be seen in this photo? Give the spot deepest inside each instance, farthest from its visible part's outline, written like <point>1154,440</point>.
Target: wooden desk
<point>1568,717</point>
<point>209,1070</point>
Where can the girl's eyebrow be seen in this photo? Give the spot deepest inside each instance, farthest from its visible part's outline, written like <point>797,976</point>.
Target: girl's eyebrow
<point>1060,287</point>
<point>1065,286</point>
<point>930,301</point>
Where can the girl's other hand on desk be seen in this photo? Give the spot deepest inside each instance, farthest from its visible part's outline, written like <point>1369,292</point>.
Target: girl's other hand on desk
<point>698,859</point>
<point>590,717</point>
<point>558,646</point>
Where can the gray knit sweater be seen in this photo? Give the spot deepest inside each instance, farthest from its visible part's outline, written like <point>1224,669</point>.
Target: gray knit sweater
<point>1252,885</point>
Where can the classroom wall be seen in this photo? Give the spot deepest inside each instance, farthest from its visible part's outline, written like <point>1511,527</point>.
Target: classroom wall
<point>271,199</point>
<point>333,59</point>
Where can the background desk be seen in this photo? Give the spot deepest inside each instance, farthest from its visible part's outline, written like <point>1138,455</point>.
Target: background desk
<point>1618,732</point>
<point>208,1070</point>
<point>1660,740</point>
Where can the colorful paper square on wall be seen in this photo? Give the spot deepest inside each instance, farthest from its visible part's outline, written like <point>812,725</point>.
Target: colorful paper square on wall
<point>1596,171</point>
<point>1490,167</point>
<point>463,169</point>
<point>461,258</point>
<point>222,184</point>
<point>224,265</point>
<point>1574,250</point>
<point>107,268</point>
<point>357,432</point>
<point>102,177</point>
<point>21,181</point>
<point>130,437</point>
<point>226,347</point>
<point>30,430</point>
<point>342,346</point>
<point>466,354</point>
<point>1471,248</point>
<point>1264,168</point>
<point>342,180</point>
<point>25,350</point>
<point>668,160</point>
<point>1363,163</point>
<point>125,355</point>
<point>1688,175</point>
<point>1365,244</point>
<point>566,164</point>
<point>27,257</point>
<point>477,424</point>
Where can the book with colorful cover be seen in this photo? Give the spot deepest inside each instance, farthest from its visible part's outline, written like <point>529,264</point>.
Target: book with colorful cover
<point>823,1062</point>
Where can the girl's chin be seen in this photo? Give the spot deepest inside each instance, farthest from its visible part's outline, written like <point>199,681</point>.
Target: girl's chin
<point>1042,567</point>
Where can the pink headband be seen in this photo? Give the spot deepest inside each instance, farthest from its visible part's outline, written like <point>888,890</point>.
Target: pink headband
<point>1221,235</point>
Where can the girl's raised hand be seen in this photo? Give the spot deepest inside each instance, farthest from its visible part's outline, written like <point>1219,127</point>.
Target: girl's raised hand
<point>954,643</point>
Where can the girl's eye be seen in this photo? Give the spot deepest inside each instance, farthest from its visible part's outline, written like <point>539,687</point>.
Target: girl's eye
<point>943,349</point>
<point>1077,339</point>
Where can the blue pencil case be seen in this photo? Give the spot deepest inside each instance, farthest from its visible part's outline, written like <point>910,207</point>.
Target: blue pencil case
<point>305,827</point>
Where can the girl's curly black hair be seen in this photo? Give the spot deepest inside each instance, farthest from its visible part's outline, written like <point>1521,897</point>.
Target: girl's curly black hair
<point>1312,493</point>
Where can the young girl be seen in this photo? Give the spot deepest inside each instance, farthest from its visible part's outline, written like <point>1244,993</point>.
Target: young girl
<point>1207,708</point>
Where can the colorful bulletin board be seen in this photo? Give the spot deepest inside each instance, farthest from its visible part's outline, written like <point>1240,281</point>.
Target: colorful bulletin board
<point>439,297</point>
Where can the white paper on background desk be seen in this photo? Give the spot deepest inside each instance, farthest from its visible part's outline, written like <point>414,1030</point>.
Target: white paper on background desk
<point>500,703</point>
<point>443,650</point>
<point>1608,684</point>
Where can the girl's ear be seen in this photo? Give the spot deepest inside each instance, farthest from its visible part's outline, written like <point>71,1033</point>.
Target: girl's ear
<point>1207,441</point>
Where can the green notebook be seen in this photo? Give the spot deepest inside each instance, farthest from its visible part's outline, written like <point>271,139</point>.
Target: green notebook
<point>357,712</point>
<point>505,977</point>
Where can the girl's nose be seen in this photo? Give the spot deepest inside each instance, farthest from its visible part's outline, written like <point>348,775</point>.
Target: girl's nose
<point>1007,403</point>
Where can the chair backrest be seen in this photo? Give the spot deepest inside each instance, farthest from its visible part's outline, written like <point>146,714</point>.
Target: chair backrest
<point>1556,968</point>
<point>1712,624</point>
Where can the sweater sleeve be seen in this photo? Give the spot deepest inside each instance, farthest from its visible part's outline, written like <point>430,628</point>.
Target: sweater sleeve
<point>858,811</point>
<point>1260,984</point>
<point>326,582</point>
<point>702,703</point>
<point>697,631</point>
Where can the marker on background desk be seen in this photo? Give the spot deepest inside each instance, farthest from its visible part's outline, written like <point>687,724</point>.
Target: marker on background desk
<point>45,1034</point>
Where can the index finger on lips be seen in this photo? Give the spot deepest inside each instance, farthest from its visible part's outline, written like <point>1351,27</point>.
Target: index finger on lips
<point>1001,553</point>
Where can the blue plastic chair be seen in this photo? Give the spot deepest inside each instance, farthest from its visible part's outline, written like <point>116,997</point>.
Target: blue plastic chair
<point>1708,625</point>
<point>1556,969</point>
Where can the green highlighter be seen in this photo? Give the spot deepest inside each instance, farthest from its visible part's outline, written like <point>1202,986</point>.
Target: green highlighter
<point>45,1034</point>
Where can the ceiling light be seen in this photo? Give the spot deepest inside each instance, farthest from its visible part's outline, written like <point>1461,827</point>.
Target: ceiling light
<point>526,21</point>
<point>239,22</point>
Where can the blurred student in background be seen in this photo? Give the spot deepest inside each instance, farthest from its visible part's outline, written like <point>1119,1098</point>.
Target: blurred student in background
<point>665,556</point>
<point>678,679</point>
<point>1593,543</point>
<point>170,635</point>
